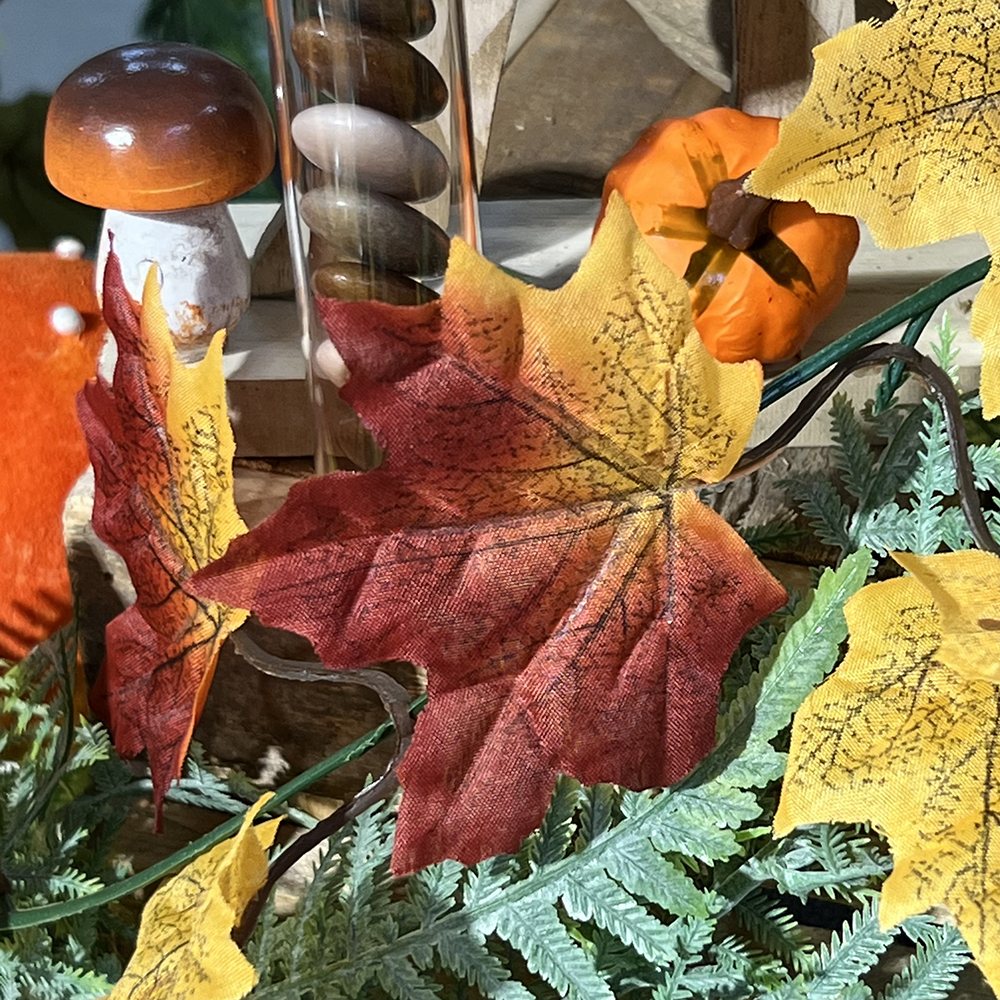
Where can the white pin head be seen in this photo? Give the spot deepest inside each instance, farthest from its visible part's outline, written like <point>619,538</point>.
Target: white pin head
<point>68,248</point>
<point>330,364</point>
<point>66,321</point>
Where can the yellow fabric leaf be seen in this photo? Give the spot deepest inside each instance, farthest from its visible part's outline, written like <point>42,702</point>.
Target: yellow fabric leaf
<point>898,738</point>
<point>899,128</point>
<point>201,437</point>
<point>966,591</point>
<point>639,384</point>
<point>185,949</point>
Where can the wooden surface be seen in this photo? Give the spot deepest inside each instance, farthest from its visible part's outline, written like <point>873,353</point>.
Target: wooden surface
<point>577,95</point>
<point>774,41</point>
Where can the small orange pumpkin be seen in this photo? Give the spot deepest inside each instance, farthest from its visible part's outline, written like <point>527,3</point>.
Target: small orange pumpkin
<point>762,274</point>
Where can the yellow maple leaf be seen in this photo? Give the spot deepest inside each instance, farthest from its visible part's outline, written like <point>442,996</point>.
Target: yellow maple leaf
<point>899,128</point>
<point>185,949</point>
<point>905,734</point>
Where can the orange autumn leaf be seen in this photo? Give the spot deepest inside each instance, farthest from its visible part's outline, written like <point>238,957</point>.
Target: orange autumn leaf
<point>185,949</point>
<point>899,129</point>
<point>905,734</point>
<point>42,450</point>
<point>162,450</point>
<point>532,538</point>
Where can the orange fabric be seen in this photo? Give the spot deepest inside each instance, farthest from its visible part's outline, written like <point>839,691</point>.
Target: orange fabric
<point>42,450</point>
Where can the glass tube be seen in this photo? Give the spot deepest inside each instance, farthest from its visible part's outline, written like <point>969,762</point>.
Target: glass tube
<point>376,151</point>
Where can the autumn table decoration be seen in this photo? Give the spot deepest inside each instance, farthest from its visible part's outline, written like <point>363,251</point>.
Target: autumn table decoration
<point>161,135</point>
<point>641,770</point>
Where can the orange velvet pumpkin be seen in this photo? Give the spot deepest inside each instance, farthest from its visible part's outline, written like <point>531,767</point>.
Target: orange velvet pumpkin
<point>42,449</point>
<point>762,297</point>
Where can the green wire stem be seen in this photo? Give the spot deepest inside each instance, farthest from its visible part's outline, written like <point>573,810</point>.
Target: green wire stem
<point>895,374</point>
<point>912,306</point>
<point>15,920</point>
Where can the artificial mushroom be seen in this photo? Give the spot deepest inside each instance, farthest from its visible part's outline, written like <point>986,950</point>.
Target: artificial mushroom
<point>162,135</point>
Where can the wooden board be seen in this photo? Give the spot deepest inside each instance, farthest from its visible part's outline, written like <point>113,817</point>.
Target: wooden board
<point>774,42</point>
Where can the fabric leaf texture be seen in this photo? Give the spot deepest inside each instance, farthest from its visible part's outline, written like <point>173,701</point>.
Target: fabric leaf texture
<point>185,949</point>
<point>42,450</point>
<point>162,449</point>
<point>531,538</point>
<point>899,128</point>
<point>900,737</point>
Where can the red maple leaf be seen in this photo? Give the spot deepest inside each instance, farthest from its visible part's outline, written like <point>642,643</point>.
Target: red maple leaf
<point>161,447</point>
<point>527,540</point>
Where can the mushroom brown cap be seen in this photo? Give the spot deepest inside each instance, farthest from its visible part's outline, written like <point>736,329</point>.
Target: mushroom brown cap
<point>155,127</point>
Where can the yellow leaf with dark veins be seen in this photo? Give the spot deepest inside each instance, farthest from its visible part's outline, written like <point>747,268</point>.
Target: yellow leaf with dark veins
<point>185,949</point>
<point>162,449</point>
<point>900,128</point>
<point>905,734</point>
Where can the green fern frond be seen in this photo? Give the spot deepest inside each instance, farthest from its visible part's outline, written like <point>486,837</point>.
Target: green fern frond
<point>839,862</point>
<point>51,847</point>
<point>850,447</point>
<point>598,805</point>
<point>552,839</point>
<point>468,958</point>
<point>943,347</point>
<point>779,535</point>
<point>895,466</point>
<point>829,516</point>
<point>774,929</point>
<point>796,663</point>
<point>840,964</point>
<point>648,875</point>
<point>534,929</point>
<point>931,974</point>
<point>986,465</point>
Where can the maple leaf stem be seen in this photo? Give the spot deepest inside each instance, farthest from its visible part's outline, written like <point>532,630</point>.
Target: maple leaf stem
<point>941,388</point>
<point>396,701</point>
<point>912,306</point>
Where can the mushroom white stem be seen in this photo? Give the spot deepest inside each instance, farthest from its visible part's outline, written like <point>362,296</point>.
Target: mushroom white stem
<point>205,274</point>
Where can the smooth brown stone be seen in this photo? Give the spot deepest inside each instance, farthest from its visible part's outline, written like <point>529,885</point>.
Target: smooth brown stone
<point>402,18</point>
<point>156,127</point>
<point>375,229</point>
<point>370,150</point>
<point>356,65</point>
<point>356,283</point>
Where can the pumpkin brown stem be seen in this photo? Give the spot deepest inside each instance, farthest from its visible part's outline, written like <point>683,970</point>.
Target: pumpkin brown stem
<point>735,215</point>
